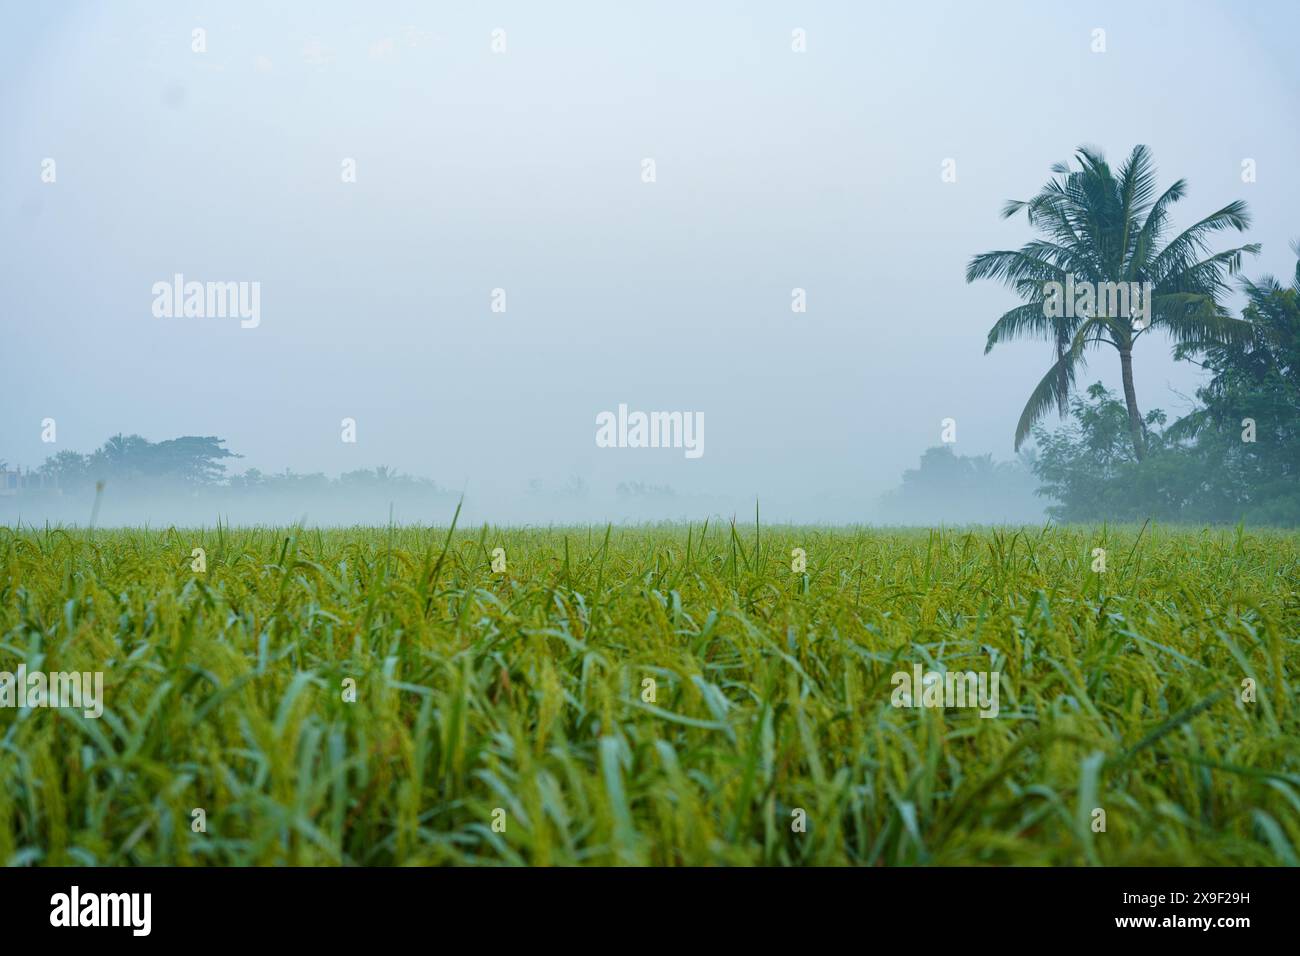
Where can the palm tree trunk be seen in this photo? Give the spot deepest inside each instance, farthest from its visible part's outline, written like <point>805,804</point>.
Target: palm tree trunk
<point>1131,400</point>
<point>1063,376</point>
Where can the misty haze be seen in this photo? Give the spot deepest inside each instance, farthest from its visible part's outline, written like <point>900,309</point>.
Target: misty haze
<point>471,254</point>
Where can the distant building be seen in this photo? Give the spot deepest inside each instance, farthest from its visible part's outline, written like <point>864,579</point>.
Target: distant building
<point>14,482</point>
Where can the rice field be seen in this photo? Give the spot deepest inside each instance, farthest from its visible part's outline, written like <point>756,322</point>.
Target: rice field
<point>657,695</point>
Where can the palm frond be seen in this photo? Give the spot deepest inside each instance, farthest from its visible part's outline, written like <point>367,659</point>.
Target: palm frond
<point>1022,321</point>
<point>1193,241</point>
<point>1195,322</point>
<point>1046,394</point>
<point>1012,266</point>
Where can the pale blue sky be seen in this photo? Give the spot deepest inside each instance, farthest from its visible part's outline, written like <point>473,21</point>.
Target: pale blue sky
<point>775,170</point>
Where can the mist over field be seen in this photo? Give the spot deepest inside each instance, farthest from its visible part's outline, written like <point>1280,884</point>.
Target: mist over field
<point>469,232</point>
<point>437,507</point>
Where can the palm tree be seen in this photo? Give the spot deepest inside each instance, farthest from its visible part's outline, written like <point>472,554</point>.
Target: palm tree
<point>1099,227</point>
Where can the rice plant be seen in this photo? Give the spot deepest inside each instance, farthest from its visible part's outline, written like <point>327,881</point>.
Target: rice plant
<point>657,695</point>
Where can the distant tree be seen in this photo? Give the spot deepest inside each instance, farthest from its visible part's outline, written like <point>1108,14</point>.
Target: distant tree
<point>69,469</point>
<point>189,459</point>
<point>252,478</point>
<point>122,456</point>
<point>639,489</point>
<point>575,487</point>
<point>964,488</point>
<point>382,475</point>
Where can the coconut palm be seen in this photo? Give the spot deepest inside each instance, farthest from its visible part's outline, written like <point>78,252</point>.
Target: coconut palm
<point>1100,227</point>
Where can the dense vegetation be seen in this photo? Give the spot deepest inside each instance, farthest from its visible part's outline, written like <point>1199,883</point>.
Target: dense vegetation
<point>1236,456</point>
<point>519,697</point>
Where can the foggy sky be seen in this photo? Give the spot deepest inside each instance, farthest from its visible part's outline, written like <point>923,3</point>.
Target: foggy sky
<point>522,171</point>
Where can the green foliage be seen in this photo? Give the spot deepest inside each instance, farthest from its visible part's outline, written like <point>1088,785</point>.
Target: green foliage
<point>1256,382</point>
<point>1090,470</point>
<point>523,691</point>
